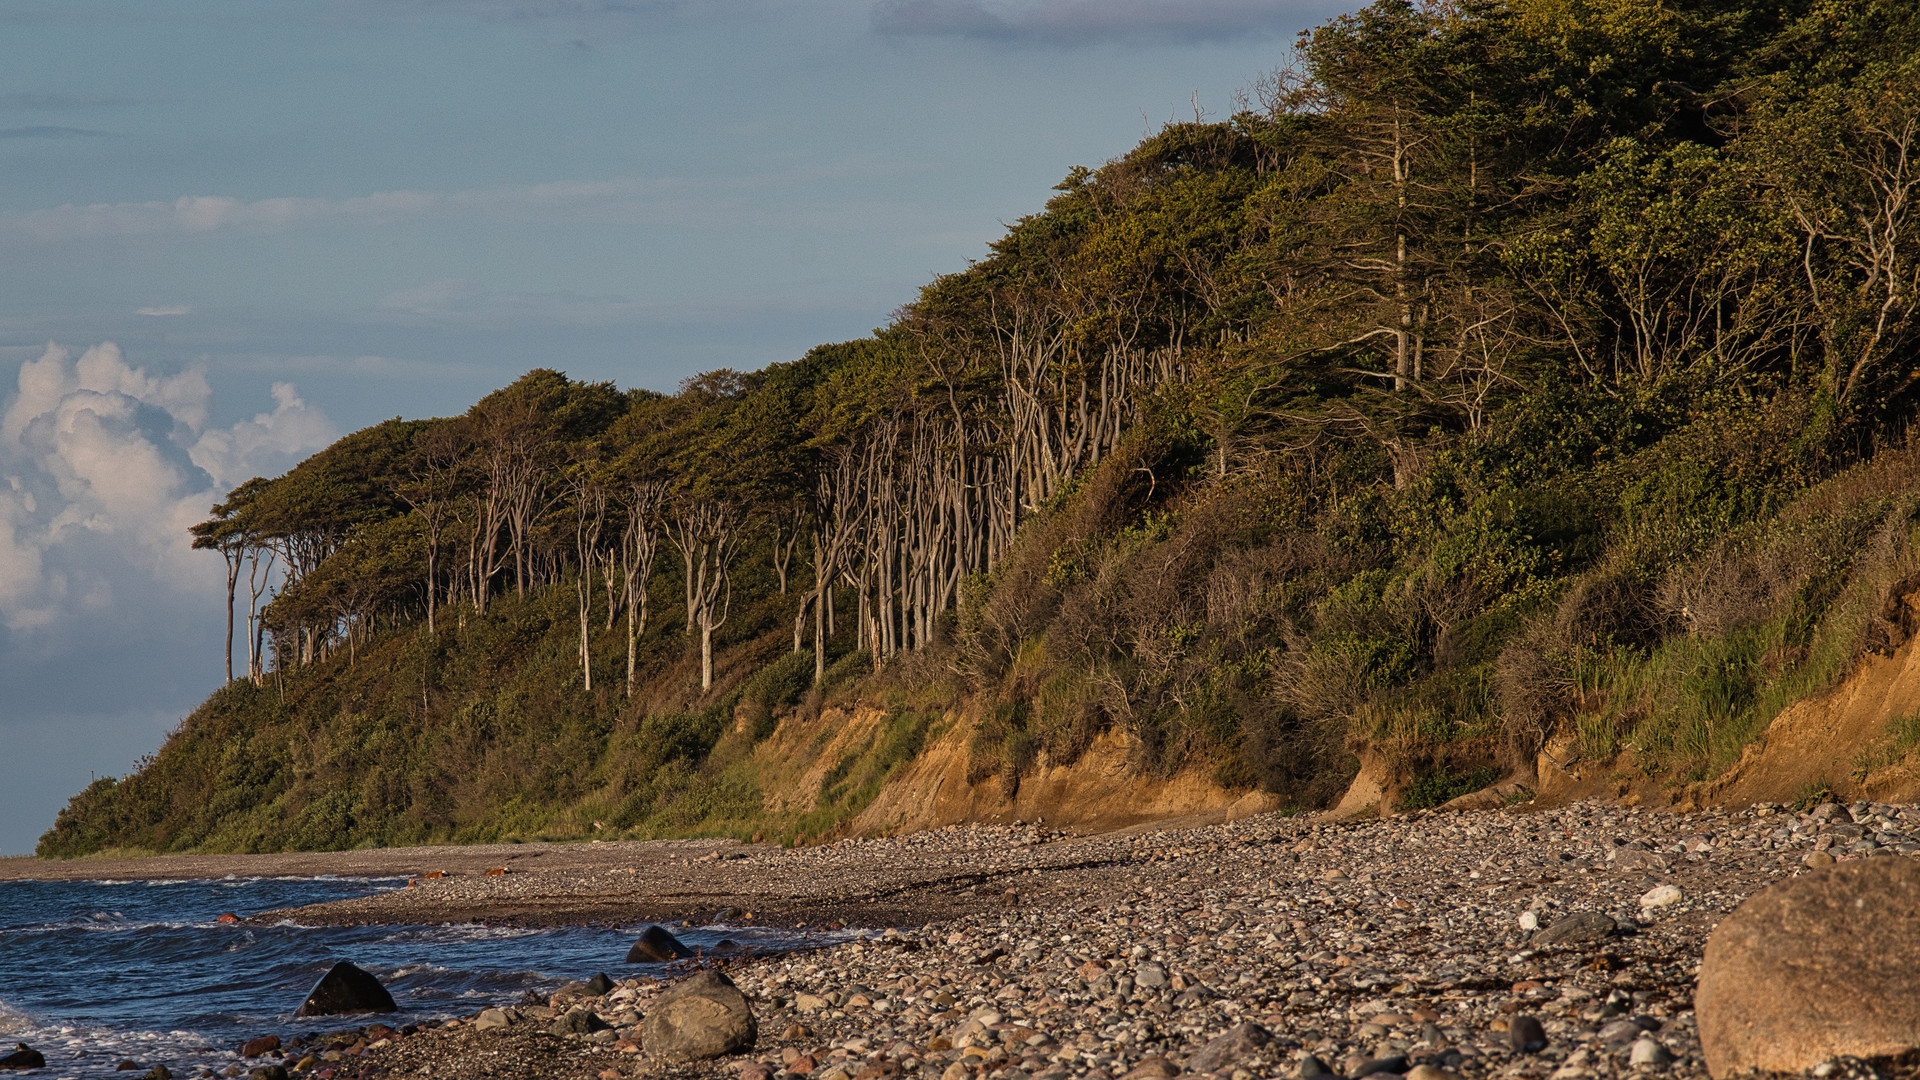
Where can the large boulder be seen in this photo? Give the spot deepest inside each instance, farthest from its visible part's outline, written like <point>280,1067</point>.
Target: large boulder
<point>1815,967</point>
<point>701,1017</point>
<point>346,989</point>
<point>656,946</point>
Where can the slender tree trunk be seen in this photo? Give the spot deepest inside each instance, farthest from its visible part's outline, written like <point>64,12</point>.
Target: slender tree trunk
<point>233,554</point>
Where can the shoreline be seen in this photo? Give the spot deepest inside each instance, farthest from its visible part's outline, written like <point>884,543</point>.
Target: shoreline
<point>1367,945</point>
<point>1019,953</point>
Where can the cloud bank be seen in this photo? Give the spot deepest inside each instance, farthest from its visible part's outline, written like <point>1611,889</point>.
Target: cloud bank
<point>1070,23</point>
<point>103,467</point>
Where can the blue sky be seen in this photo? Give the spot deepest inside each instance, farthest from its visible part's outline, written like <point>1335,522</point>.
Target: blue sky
<point>230,231</point>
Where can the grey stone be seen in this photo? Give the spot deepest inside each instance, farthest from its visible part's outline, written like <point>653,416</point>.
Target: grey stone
<point>1620,1034</point>
<point>1151,976</point>
<point>1646,1051</point>
<point>1632,858</point>
<point>1311,1067</point>
<point>1580,927</point>
<point>1525,1035</point>
<point>1228,1047</point>
<point>581,1021</point>
<point>599,985</point>
<point>701,1017</point>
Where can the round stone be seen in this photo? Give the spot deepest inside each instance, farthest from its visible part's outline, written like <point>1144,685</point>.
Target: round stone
<point>1819,966</point>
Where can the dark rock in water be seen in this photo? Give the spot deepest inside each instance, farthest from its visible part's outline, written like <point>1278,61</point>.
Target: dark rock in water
<point>699,1018</point>
<point>127,1065</point>
<point>1228,1047</point>
<point>1585,926</point>
<point>265,1044</point>
<point>533,997</point>
<point>269,1072</point>
<point>578,1022</point>
<point>159,1072</point>
<point>1525,1035</point>
<point>599,985</point>
<point>24,1057</point>
<point>347,989</point>
<point>656,946</point>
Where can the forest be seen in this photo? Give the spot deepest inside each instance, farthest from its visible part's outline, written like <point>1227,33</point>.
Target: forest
<point>1498,369</point>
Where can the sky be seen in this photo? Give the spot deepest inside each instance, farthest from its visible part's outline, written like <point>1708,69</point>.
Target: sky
<point>231,232</point>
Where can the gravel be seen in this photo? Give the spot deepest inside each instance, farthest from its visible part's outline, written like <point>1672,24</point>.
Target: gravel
<point>1271,946</point>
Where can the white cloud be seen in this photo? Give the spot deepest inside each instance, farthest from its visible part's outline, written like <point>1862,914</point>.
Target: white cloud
<point>104,466</point>
<point>195,214</point>
<point>725,202</point>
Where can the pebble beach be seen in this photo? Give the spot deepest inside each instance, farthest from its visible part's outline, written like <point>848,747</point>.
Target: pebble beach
<point>1560,944</point>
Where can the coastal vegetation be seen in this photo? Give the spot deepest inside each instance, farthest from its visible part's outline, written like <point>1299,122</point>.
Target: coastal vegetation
<point>1498,371</point>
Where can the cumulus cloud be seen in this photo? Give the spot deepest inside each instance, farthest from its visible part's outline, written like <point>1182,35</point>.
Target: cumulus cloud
<point>104,466</point>
<point>1067,23</point>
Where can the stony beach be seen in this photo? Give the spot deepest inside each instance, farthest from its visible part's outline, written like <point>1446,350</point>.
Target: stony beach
<point>1560,944</point>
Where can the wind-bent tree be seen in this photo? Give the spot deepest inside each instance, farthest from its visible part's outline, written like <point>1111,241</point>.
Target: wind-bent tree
<point>232,533</point>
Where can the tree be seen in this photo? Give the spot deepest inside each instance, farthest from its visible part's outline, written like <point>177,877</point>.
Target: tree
<point>639,544</point>
<point>707,533</point>
<point>589,497</point>
<point>430,489</point>
<point>232,532</point>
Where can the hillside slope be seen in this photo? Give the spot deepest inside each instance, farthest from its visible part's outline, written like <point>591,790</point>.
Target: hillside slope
<point>1506,378</point>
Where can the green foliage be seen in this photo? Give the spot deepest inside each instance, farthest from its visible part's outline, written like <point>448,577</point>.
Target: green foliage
<point>1433,789</point>
<point>779,685</point>
<point>1503,370</point>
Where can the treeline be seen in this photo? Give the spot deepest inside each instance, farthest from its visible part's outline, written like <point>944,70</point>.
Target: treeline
<point>1411,404</point>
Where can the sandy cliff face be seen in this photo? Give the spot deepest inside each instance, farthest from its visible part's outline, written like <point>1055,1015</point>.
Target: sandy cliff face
<point>1100,790</point>
<point>1837,739</point>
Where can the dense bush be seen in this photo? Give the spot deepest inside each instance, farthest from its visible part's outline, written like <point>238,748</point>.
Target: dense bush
<point>1501,370</point>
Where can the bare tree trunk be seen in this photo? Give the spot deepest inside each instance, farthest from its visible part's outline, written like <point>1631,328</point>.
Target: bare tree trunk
<point>707,533</point>
<point>233,555</point>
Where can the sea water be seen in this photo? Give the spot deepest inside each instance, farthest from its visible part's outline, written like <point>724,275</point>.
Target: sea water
<point>93,973</point>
